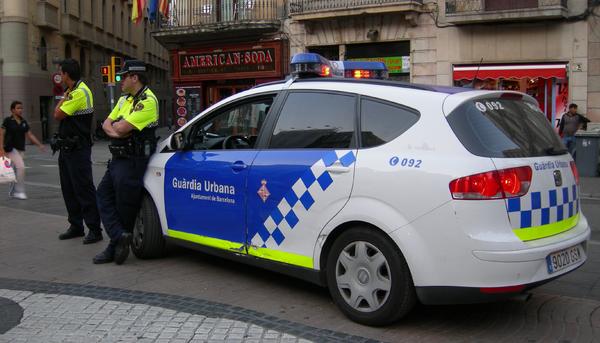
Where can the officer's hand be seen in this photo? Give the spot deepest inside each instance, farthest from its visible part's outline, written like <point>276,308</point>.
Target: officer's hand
<point>43,148</point>
<point>2,153</point>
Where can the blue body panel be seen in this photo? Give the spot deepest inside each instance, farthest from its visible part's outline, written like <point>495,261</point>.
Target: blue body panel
<point>205,193</point>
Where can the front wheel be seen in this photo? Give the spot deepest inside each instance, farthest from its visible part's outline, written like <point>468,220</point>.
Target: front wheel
<point>368,277</point>
<point>148,240</point>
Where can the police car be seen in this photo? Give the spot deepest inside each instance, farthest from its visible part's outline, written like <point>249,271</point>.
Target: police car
<point>387,193</point>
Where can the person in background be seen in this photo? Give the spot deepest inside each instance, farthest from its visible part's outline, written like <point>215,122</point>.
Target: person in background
<point>13,131</point>
<point>570,122</point>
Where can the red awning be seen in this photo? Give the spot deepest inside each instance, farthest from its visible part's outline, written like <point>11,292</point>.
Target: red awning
<point>510,71</point>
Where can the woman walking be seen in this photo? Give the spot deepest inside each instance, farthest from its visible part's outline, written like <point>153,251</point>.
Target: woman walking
<point>13,131</point>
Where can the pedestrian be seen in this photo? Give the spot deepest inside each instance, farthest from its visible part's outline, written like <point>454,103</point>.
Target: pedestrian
<point>570,122</point>
<point>76,112</point>
<point>131,126</point>
<point>12,145</point>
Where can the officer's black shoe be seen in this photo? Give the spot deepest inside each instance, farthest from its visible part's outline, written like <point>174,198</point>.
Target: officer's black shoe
<point>71,233</point>
<point>106,256</point>
<point>122,248</point>
<point>93,237</point>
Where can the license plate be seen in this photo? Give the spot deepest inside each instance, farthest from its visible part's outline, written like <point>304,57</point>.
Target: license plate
<point>564,258</point>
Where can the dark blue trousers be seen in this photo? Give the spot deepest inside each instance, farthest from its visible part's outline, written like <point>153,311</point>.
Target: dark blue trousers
<point>119,195</point>
<point>77,185</point>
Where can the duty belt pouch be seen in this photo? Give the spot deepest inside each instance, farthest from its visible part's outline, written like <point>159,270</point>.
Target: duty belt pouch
<point>70,143</point>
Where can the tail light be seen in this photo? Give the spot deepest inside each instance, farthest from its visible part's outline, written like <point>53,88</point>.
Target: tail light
<point>497,184</point>
<point>575,172</point>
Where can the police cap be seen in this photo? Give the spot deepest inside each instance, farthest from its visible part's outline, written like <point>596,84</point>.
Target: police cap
<point>133,66</point>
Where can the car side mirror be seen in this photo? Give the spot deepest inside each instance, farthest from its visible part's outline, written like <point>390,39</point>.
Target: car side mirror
<point>177,141</point>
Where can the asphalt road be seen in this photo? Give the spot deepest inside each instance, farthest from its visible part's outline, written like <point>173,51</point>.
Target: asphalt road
<point>564,309</point>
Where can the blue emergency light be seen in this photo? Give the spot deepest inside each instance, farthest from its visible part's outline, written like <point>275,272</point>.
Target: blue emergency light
<point>311,65</point>
<point>315,65</point>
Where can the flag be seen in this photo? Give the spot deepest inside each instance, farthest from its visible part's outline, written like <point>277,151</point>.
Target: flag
<point>152,9</point>
<point>163,7</point>
<point>137,11</point>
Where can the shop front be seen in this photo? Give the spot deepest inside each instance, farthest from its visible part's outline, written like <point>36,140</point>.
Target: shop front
<point>203,76</point>
<point>395,55</point>
<point>546,82</point>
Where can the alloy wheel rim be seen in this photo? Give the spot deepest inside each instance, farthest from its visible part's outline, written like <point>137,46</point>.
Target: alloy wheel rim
<point>138,231</point>
<point>363,276</point>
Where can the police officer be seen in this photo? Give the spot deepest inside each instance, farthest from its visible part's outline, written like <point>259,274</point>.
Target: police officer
<point>131,126</point>
<point>75,112</point>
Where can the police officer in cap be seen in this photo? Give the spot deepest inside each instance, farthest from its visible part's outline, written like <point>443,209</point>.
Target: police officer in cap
<point>74,140</point>
<point>131,126</point>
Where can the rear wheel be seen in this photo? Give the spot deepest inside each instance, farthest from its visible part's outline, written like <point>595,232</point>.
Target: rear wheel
<point>148,240</point>
<point>368,277</point>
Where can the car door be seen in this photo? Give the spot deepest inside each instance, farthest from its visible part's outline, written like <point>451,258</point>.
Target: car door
<point>303,177</point>
<point>205,185</point>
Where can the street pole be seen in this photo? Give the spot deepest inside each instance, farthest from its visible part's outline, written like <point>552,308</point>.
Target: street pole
<point>111,95</point>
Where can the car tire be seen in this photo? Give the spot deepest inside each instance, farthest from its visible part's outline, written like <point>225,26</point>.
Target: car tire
<point>368,277</point>
<point>148,240</point>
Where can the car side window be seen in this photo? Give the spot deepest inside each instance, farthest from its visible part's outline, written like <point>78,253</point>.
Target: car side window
<point>235,127</point>
<point>315,120</point>
<point>382,122</point>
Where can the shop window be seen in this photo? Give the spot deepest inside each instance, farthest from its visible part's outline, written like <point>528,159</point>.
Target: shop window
<point>381,122</point>
<point>315,120</point>
<point>395,55</point>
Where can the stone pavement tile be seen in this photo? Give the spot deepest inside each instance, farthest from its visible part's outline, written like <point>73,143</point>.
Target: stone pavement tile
<point>63,325</point>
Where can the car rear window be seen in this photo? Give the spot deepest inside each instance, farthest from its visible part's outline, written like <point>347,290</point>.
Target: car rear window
<point>504,127</point>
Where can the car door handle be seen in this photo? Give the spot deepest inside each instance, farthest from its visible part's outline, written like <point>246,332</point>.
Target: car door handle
<point>238,166</point>
<point>337,169</point>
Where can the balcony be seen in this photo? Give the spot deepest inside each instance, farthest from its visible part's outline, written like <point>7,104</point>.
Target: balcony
<point>69,25</point>
<point>324,9</point>
<point>480,11</point>
<point>47,15</point>
<point>201,20</point>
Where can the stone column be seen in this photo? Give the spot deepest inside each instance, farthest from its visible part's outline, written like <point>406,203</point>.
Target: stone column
<point>14,58</point>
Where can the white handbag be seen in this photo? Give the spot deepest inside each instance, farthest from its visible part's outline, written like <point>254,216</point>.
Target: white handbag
<point>7,173</point>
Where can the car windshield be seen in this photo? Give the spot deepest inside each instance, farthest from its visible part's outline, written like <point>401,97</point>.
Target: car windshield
<point>504,127</point>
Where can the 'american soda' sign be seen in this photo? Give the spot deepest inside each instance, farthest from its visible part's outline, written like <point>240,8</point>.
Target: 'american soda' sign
<point>240,61</point>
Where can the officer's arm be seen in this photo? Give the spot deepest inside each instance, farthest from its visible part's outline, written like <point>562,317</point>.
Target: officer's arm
<point>122,127</point>
<point>114,129</point>
<point>69,104</point>
<point>58,113</point>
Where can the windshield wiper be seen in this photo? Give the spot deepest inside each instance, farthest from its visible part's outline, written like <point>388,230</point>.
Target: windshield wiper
<point>555,151</point>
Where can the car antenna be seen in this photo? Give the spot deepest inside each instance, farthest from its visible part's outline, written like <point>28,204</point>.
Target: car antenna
<point>472,83</point>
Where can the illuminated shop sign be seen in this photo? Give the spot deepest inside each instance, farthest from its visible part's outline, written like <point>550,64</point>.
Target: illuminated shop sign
<point>240,61</point>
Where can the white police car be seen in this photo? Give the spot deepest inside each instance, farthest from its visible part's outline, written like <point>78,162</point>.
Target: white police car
<point>387,193</point>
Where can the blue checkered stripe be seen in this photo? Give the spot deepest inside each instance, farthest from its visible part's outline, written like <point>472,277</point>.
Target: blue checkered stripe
<point>542,208</point>
<point>299,200</point>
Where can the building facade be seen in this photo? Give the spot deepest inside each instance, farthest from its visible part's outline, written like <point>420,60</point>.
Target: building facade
<point>549,49</point>
<point>546,48</point>
<point>35,35</point>
<point>220,47</point>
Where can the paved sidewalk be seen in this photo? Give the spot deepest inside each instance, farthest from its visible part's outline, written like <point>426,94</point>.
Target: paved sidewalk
<point>56,312</point>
